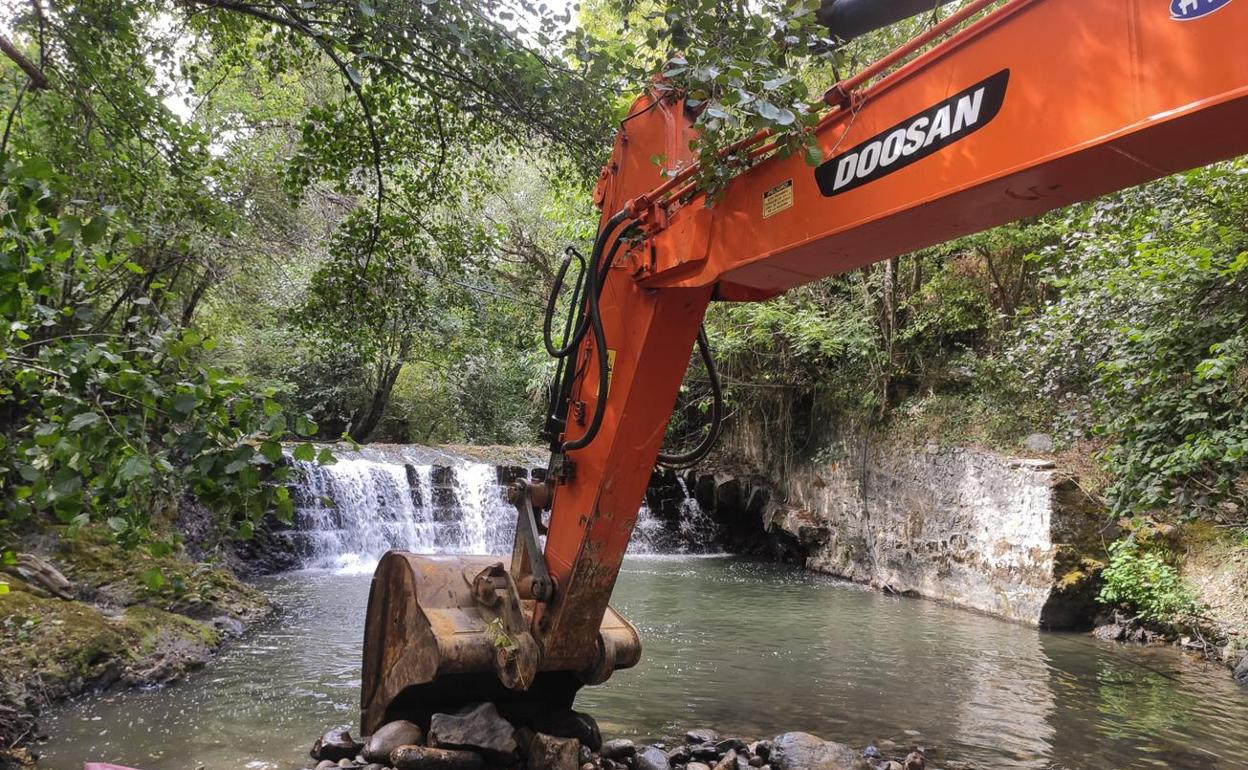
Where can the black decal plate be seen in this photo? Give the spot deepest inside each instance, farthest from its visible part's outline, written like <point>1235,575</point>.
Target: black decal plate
<point>914,138</point>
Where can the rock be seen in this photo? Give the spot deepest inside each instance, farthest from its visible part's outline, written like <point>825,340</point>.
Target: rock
<point>697,766</point>
<point>1038,442</point>
<point>1110,632</point>
<point>889,765</point>
<point>584,755</point>
<point>587,765</point>
<point>915,760</point>
<point>524,736</point>
<point>729,762</point>
<point>389,737</point>
<point>761,749</point>
<point>705,751</point>
<point>228,627</point>
<point>803,751</point>
<point>1241,671</point>
<point>730,744</point>
<point>546,752</point>
<point>679,755</point>
<point>346,763</point>
<point>477,728</point>
<point>325,764</point>
<point>570,724</point>
<point>620,748</point>
<point>376,765</point>
<point>426,758</point>
<point>871,752</point>
<point>701,735</point>
<point>757,761</point>
<point>335,745</point>
<point>651,758</point>
<point>611,764</point>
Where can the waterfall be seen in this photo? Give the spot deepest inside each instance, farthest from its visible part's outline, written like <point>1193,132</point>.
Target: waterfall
<point>349,513</point>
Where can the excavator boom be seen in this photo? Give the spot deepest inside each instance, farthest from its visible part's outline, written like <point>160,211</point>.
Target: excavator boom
<point>1002,111</point>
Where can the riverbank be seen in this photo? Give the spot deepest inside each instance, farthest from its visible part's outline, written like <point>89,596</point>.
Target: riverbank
<point>83,615</point>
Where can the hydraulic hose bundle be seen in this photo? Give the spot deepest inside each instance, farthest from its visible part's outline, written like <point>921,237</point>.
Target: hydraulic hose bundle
<point>583,317</point>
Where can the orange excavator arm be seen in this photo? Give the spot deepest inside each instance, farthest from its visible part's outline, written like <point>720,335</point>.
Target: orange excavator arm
<point>981,121</point>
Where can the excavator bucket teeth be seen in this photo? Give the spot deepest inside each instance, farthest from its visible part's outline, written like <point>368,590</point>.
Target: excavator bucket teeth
<point>438,636</point>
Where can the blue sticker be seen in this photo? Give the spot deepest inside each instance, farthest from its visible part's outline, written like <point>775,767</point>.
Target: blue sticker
<point>1186,10</point>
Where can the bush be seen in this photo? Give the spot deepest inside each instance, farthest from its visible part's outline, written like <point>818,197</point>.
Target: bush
<point>1139,579</point>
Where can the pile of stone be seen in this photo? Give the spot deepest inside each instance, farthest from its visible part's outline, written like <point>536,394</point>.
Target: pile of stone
<point>478,737</point>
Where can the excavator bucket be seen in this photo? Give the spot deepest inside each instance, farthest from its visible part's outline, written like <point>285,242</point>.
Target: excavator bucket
<point>446,631</point>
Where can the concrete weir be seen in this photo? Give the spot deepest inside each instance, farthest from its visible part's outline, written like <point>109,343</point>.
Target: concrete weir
<point>1004,535</point>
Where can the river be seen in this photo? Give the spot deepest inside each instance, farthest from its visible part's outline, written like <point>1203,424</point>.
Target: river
<point>747,648</point>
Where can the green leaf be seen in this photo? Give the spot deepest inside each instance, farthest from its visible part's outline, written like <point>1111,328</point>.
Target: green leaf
<point>305,452</point>
<point>154,579</point>
<point>83,420</point>
<point>271,450</point>
<point>118,524</point>
<point>184,403</point>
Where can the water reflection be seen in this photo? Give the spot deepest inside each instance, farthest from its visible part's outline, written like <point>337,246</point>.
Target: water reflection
<point>750,649</point>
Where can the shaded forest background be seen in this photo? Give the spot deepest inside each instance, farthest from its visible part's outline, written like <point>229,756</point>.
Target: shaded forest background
<point>229,224</point>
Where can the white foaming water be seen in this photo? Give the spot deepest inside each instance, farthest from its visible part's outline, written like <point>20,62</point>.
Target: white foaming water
<point>348,514</point>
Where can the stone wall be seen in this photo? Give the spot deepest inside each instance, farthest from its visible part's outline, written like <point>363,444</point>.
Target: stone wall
<point>1005,535</point>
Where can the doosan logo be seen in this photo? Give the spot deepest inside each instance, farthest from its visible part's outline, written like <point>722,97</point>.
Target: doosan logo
<point>1186,10</point>
<point>915,138</point>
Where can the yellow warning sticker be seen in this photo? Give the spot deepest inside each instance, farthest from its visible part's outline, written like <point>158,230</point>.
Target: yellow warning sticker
<point>778,198</point>
<point>610,365</point>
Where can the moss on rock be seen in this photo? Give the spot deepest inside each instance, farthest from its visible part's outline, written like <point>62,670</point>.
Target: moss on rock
<point>137,620</point>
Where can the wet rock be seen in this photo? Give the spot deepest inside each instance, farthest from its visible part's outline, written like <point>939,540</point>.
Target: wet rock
<point>915,760</point>
<point>477,728</point>
<point>620,748</point>
<point>697,766</point>
<point>889,765</point>
<point>803,751</point>
<point>651,758</point>
<point>871,752</point>
<point>701,735</point>
<point>389,737</point>
<point>757,761</point>
<point>584,755</point>
<point>705,752</point>
<point>335,745</point>
<point>547,752</point>
<point>761,749</point>
<point>376,765</point>
<point>325,764</point>
<point>729,762</point>
<point>346,763</point>
<point>427,758</point>
<point>524,737</point>
<point>1109,632</point>
<point>679,755</point>
<point>570,724</point>
<point>587,765</point>
<point>731,744</point>
<point>1241,671</point>
<point>611,764</point>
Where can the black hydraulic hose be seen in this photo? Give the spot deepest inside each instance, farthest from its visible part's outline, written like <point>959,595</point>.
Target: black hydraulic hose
<point>594,286</point>
<point>692,457</point>
<point>565,347</point>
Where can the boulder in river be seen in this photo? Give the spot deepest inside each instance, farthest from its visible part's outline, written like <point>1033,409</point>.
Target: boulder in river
<point>335,745</point>
<point>389,737</point>
<point>619,748</point>
<point>477,728</point>
<point>1241,671</point>
<point>546,752</point>
<point>651,758</point>
<point>570,724</point>
<point>701,735</point>
<point>427,758</point>
<point>803,751</point>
